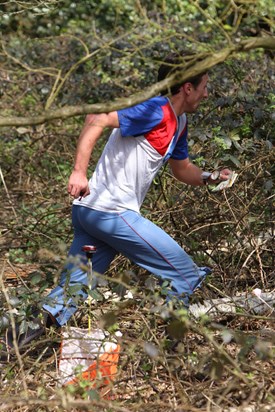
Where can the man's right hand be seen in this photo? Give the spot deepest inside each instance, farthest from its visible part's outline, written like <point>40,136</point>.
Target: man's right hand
<point>78,185</point>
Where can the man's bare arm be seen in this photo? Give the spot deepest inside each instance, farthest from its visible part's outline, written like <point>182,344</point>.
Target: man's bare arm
<point>187,172</point>
<point>91,132</point>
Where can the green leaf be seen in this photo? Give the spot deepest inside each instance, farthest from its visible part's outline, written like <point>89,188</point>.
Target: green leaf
<point>36,278</point>
<point>234,136</point>
<point>233,159</point>
<point>177,329</point>
<point>227,141</point>
<point>96,295</point>
<point>75,289</point>
<point>238,146</point>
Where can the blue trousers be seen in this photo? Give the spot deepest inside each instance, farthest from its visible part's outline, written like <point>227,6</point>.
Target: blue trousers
<point>135,237</point>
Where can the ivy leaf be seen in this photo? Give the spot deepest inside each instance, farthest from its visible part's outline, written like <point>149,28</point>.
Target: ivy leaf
<point>233,159</point>
<point>36,278</point>
<point>96,295</point>
<point>227,141</point>
<point>75,289</point>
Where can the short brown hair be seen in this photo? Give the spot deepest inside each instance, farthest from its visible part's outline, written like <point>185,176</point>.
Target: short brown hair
<point>172,64</point>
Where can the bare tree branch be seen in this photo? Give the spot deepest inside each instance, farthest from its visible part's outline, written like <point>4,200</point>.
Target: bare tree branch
<point>201,66</point>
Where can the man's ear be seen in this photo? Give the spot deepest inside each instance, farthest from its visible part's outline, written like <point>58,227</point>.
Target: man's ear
<point>187,88</point>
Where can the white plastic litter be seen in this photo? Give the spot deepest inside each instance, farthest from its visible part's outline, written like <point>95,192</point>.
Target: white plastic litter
<point>225,184</point>
<point>257,292</point>
<point>247,302</point>
<point>88,356</point>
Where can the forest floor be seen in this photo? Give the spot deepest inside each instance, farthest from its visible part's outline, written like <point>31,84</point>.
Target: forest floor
<point>177,363</point>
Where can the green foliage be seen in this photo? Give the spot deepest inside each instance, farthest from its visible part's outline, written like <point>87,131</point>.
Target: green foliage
<point>96,51</point>
<point>59,53</point>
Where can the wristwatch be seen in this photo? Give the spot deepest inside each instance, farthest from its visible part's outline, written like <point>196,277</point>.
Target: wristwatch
<point>208,177</point>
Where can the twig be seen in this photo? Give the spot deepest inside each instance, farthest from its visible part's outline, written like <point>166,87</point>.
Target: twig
<point>17,274</point>
<point>7,192</point>
<point>14,336</point>
<point>180,76</point>
<point>214,21</point>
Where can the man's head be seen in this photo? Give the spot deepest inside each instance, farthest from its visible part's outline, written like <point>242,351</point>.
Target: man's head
<point>191,91</point>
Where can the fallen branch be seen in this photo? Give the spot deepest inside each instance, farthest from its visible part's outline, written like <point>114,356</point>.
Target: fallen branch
<point>201,66</point>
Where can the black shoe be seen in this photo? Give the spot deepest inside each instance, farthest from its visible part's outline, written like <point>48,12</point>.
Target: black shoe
<point>40,320</point>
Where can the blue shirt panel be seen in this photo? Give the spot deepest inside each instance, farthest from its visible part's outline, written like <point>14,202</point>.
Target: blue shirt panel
<point>141,118</point>
<point>181,150</point>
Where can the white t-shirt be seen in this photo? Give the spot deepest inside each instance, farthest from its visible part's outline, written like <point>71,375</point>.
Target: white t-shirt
<point>148,135</point>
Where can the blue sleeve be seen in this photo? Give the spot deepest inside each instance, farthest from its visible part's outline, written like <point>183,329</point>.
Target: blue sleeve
<point>140,119</point>
<point>181,150</point>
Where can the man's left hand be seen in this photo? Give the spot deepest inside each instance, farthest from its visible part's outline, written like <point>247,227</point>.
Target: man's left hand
<point>225,174</point>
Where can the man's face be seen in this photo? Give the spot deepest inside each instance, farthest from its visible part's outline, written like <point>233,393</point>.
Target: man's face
<point>195,95</point>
